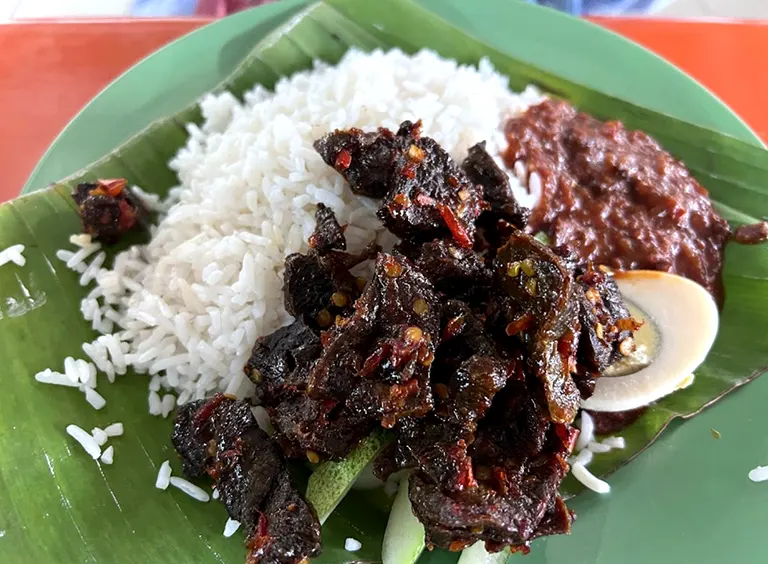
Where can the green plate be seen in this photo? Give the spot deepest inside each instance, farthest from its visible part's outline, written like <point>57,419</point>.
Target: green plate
<point>686,499</point>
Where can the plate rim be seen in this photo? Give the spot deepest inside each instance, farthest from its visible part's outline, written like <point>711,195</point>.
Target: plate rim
<point>747,133</point>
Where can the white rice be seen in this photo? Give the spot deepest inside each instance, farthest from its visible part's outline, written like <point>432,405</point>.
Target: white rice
<point>352,545</point>
<point>82,254</point>
<point>114,430</point>
<point>85,439</point>
<point>99,436</point>
<point>615,442</point>
<point>231,527</point>
<point>163,476</point>
<point>108,456</point>
<point>586,431</point>
<point>71,371</point>
<point>215,494</point>
<point>155,403</point>
<point>188,306</point>
<point>598,448</point>
<point>94,398</point>
<point>584,457</point>
<point>589,480</point>
<point>48,376</point>
<point>759,474</point>
<point>190,489</point>
<point>13,254</point>
<point>167,404</point>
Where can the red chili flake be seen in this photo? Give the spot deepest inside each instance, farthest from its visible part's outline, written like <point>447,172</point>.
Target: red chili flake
<point>312,241</point>
<point>262,525</point>
<point>453,327</point>
<point>401,391</point>
<point>466,477</point>
<point>113,186</point>
<point>456,227</point>
<point>522,324</point>
<point>521,548</point>
<point>567,435</point>
<point>207,409</point>
<point>453,181</point>
<point>409,171</point>
<point>128,216</point>
<point>458,546</point>
<point>374,360</point>
<point>501,480</point>
<point>343,160</point>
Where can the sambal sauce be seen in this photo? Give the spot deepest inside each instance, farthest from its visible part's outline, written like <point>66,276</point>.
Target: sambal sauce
<point>615,197</point>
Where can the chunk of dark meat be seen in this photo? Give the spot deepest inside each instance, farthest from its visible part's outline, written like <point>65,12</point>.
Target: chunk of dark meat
<point>108,209</point>
<point>318,429</point>
<point>539,302</point>
<point>219,437</point>
<point>318,287</point>
<point>605,323</point>
<point>378,359</point>
<point>426,194</point>
<point>483,170</point>
<point>471,389</point>
<point>519,462</point>
<point>280,362</point>
<point>469,369</point>
<point>287,531</point>
<point>366,160</point>
<point>463,335</point>
<point>430,196</point>
<point>438,449</point>
<point>455,271</point>
<point>328,234</point>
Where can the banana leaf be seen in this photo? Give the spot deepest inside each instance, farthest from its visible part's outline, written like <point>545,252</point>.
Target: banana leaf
<point>57,505</point>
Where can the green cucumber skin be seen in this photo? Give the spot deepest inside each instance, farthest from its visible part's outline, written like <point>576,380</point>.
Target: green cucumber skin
<point>404,536</point>
<point>332,480</point>
<point>476,554</point>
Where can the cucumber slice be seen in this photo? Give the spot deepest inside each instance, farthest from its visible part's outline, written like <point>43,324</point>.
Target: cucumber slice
<point>404,536</point>
<point>476,554</point>
<point>331,481</point>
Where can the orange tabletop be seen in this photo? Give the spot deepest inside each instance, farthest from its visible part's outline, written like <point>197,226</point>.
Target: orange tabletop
<point>48,71</point>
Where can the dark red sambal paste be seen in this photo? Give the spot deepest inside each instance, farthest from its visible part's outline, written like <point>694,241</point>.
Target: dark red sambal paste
<point>616,198</point>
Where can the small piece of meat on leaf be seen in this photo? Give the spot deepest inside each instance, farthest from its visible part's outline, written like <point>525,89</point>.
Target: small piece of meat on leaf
<point>287,528</point>
<point>220,437</point>
<point>108,209</point>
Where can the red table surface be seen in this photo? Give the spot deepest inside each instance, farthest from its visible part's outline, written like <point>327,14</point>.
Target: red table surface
<point>50,70</point>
